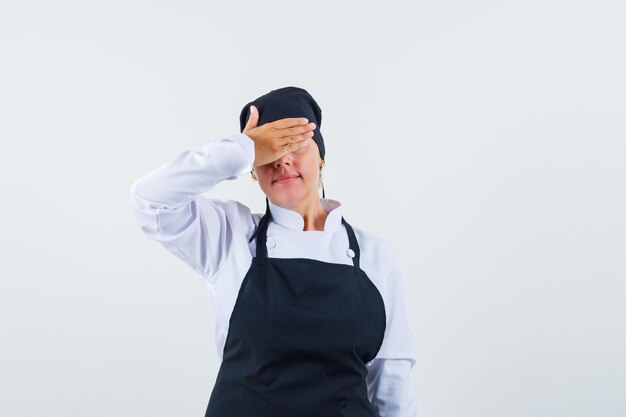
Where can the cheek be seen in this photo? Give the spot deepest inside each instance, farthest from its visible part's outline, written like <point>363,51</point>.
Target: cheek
<point>264,174</point>
<point>311,173</point>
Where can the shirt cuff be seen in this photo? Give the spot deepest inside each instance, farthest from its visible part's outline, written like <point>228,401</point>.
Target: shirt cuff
<point>246,144</point>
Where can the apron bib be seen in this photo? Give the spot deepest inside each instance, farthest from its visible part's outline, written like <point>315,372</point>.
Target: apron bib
<point>300,335</point>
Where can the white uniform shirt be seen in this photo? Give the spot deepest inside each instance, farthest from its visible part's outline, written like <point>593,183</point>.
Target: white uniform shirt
<point>211,236</point>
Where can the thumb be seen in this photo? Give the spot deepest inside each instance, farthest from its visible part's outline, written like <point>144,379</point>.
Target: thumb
<point>253,119</point>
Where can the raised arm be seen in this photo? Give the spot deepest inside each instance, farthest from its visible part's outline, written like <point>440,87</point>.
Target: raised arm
<point>169,208</point>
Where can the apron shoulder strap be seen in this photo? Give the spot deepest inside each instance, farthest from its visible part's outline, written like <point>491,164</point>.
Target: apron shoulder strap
<point>354,244</point>
<point>263,220</point>
<point>261,235</point>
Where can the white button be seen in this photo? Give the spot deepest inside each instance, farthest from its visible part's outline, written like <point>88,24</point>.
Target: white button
<point>271,242</point>
<point>351,253</point>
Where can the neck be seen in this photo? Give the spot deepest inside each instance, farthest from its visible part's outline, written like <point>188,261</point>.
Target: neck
<point>312,212</point>
<point>314,216</point>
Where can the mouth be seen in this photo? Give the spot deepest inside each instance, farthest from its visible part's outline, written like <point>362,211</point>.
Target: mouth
<point>286,179</point>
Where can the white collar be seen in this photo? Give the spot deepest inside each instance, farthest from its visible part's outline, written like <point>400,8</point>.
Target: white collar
<point>291,219</point>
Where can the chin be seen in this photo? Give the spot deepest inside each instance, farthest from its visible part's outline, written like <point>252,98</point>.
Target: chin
<point>286,197</point>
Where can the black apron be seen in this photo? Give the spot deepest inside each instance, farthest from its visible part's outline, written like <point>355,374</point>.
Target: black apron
<point>300,335</point>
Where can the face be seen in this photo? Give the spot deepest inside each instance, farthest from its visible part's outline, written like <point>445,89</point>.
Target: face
<point>303,165</point>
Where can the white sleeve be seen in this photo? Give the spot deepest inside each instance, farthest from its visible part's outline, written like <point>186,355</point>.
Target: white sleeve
<point>390,388</point>
<point>168,206</point>
<point>389,376</point>
<point>399,340</point>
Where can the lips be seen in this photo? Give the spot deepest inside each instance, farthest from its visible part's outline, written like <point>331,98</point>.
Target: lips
<point>285,178</point>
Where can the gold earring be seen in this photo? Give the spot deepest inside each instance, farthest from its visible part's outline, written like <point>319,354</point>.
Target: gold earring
<point>253,176</point>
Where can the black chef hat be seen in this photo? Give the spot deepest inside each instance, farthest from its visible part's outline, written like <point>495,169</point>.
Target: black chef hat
<point>287,102</point>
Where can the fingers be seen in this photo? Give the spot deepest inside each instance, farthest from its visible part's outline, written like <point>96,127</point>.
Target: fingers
<point>280,137</point>
<point>295,145</point>
<point>296,130</point>
<point>290,121</point>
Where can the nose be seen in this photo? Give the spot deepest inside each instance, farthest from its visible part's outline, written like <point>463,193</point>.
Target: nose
<point>283,160</point>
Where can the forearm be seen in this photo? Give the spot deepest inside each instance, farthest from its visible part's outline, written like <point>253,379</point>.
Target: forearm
<point>194,172</point>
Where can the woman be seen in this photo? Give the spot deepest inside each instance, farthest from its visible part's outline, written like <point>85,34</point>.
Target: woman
<point>310,313</point>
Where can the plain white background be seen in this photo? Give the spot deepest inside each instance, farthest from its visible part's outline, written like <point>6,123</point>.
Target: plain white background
<point>485,141</point>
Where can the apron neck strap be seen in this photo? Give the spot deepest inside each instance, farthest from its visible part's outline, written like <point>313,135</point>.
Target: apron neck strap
<point>261,237</point>
<point>354,244</point>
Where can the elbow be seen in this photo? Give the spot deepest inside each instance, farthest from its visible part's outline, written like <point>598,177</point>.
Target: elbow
<point>144,214</point>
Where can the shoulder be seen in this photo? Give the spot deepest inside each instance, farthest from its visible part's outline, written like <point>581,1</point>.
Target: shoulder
<point>243,220</point>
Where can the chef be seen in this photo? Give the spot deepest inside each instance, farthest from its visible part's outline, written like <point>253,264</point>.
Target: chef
<point>310,314</point>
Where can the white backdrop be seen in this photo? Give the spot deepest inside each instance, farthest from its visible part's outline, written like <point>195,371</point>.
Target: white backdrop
<point>485,141</point>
